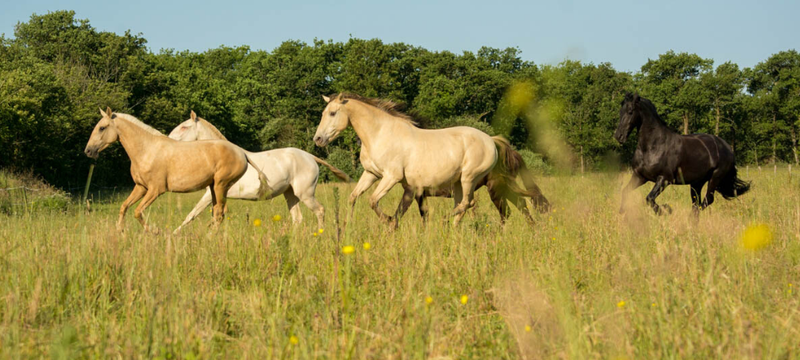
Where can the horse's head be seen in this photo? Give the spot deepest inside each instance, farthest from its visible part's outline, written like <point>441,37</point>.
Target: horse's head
<point>187,130</point>
<point>335,119</point>
<point>630,117</point>
<point>103,135</point>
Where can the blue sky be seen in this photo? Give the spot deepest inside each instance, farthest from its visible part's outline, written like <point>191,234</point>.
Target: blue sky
<point>624,33</point>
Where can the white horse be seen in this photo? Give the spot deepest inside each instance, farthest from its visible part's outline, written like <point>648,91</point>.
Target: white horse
<point>395,151</point>
<point>290,171</point>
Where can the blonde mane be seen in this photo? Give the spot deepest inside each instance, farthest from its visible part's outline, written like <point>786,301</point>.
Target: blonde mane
<point>212,128</point>
<point>139,123</point>
<point>390,107</point>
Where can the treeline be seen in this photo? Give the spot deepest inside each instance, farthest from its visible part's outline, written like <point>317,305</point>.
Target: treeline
<point>57,70</point>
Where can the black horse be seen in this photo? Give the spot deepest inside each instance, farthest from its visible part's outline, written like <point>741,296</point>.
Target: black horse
<point>665,157</point>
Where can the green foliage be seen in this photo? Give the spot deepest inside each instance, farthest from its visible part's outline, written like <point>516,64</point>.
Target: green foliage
<point>344,160</point>
<point>535,162</point>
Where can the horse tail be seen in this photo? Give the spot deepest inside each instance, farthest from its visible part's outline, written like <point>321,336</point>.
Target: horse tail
<point>537,198</point>
<point>509,166</point>
<point>264,189</point>
<point>509,160</point>
<point>338,173</point>
<point>732,186</point>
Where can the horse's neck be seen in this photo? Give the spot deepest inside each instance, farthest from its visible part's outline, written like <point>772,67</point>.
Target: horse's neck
<point>133,138</point>
<point>207,132</point>
<point>653,131</point>
<point>366,121</point>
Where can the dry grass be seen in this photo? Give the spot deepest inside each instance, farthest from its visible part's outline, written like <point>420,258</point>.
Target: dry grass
<point>71,286</point>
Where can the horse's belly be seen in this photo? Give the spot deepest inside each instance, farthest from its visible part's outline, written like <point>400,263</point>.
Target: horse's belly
<point>424,177</point>
<point>188,183</point>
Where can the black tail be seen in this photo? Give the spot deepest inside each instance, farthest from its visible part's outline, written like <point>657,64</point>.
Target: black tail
<point>731,186</point>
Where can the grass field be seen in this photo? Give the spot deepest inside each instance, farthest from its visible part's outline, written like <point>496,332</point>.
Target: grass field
<point>584,282</point>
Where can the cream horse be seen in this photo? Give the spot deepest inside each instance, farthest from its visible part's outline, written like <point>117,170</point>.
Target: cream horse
<point>160,164</point>
<point>290,171</point>
<point>394,150</point>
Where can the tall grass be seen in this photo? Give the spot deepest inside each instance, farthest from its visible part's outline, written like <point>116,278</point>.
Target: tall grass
<point>584,282</point>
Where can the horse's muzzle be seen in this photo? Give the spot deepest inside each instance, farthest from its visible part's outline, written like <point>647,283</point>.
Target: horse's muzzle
<point>320,141</point>
<point>91,153</point>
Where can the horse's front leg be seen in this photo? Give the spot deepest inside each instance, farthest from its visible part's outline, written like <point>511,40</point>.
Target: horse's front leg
<point>635,182</point>
<point>137,193</point>
<point>148,199</point>
<point>661,184</point>
<point>383,188</point>
<point>366,180</point>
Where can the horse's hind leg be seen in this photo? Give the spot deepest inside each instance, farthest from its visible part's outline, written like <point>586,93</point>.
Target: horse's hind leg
<point>520,203</point>
<point>502,207</point>
<point>137,193</point>
<point>423,207</point>
<point>220,206</point>
<point>148,199</point>
<point>311,202</point>
<point>716,178</point>
<point>695,189</point>
<point>405,202</point>
<point>661,184</point>
<point>293,203</point>
<point>201,205</point>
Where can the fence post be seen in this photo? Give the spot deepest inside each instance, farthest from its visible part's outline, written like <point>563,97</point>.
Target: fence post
<point>88,182</point>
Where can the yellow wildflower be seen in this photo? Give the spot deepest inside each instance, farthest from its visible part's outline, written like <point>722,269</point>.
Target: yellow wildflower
<point>755,237</point>
<point>367,246</point>
<point>257,222</point>
<point>276,218</point>
<point>347,250</point>
<point>314,234</point>
<point>321,231</point>
<point>464,299</point>
<point>527,328</point>
<point>428,300</point>
<point>621,304</point>
<point>294,340</point>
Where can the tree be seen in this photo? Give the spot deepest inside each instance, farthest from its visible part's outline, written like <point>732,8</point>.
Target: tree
<point>672,82</point>
<point>776,84</point>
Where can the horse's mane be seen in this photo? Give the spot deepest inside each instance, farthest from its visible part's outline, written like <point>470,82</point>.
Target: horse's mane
<point>388,106</point>
<point>139,123</point>
<point>212,128</point>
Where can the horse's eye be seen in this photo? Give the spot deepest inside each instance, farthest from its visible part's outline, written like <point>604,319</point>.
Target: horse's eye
<point>333,113</point>
<point>102,128</point>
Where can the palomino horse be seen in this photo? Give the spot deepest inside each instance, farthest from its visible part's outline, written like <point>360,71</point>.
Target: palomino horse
<point>291,172</point>
<point>160,164</point>
<point>665,157</point>
<point>502,186</point>
<point>395,151</point>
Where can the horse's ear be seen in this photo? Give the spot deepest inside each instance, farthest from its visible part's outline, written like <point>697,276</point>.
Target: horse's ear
<point>102,113</point>
<point>108,111</point>
<point>327,99</point>
<point>193,116</point>
<point>636,98</point>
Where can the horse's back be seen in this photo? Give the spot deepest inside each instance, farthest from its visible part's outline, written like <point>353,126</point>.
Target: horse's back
<point>443,156</point>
